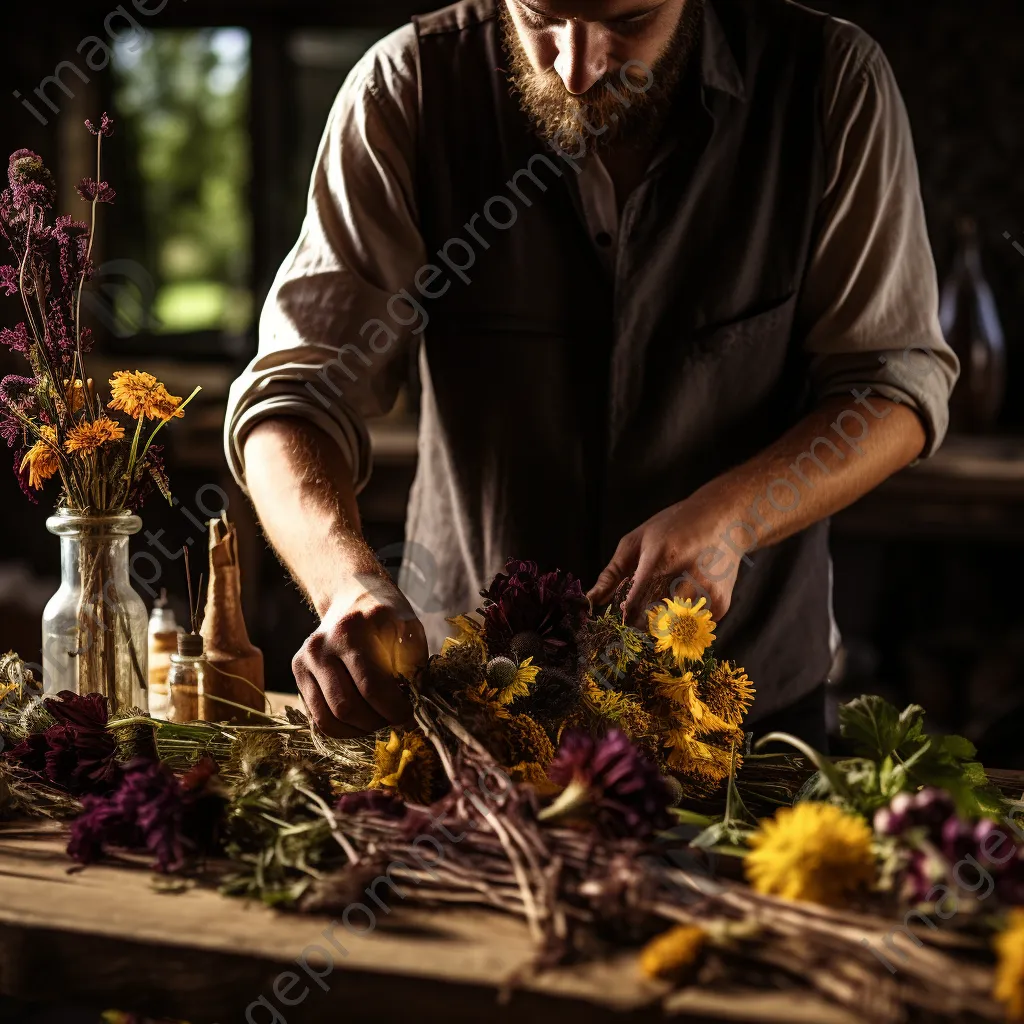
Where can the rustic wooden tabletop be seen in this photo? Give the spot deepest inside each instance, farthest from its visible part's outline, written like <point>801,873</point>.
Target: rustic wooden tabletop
<point>114,936</point>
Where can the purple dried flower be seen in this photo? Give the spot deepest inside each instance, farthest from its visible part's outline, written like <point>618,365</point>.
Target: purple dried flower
<point>152,810</point>
<point>31,182</point>
<point>522,600</point>
<point>16,339</point>
<point>628,792</point>
<point>106,127</point>
<point>17,391</point>
<point>72,240</point>
<point>96,191</point>
<point>75,754</point>
<point>9,280</point>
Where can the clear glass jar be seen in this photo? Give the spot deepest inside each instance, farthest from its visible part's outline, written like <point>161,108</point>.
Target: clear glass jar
<point>94,627</point>
<point>185,679</point>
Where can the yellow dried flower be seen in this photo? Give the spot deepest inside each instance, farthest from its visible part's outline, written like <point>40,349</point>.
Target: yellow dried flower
<point>699,761</point>
<point>87,437</point>
<point>669,956</point>
<point>469,633</point>
<point>42,459</point>
<point>404,763</point>
<point>692,713</point>
<point>812,851</point>
<point>140,394</point>
<point>1009,947</point>
<point>728,692</point>
<point>527,741</point>
<point>523,678</point>
<point>682,627</point>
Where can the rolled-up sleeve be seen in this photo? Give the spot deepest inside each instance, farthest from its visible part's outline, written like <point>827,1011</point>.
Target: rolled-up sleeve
<point>335,332</point>
<point>869,305</point>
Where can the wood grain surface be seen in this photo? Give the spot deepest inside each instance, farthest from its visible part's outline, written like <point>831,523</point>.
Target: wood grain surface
<point>113,936</point>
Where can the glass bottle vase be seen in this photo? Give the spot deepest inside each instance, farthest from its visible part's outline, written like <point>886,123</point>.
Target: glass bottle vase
<point>95,625</point>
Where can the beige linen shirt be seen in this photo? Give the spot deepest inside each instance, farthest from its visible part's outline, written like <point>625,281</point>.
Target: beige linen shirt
<point>868,309</point>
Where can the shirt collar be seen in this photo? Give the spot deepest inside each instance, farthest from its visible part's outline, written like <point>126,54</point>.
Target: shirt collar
<point>719,69</point>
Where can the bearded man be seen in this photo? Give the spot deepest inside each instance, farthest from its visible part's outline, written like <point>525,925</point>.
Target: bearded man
<point>666,267</point>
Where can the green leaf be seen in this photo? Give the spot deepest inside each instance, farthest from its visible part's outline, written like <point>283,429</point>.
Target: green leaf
<point>876,728</point>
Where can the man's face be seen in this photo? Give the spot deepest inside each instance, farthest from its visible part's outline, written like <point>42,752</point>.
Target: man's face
<point>571,57</point>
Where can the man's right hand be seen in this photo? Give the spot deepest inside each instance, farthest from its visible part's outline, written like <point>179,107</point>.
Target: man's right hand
<point>351,668</point>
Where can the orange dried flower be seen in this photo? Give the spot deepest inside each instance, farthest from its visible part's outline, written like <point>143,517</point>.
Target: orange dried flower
<point>140,394</point>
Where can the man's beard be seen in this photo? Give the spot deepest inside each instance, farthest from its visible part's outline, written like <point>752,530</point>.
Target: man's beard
<point>628,105</point>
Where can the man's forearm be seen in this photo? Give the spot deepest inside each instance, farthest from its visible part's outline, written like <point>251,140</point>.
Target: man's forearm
<point>301,486</point>
<point>826,462</point>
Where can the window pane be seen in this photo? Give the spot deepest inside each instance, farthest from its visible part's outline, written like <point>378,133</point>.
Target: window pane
<point>183,102</point>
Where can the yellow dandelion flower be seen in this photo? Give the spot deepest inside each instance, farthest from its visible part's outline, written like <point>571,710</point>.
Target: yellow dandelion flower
<point>669,956</point>
<point>682,627</point>
<point>42,459</point>
<point>404,763</point>
<point>87,437</point>
<point>1009,947</point>
<point>140,394</point>
<point>812,851</point>
<point>728,692</point>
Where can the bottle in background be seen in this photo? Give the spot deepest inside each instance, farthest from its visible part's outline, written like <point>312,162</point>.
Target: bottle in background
<point>970,322</point>
<point>163,642</point>
<point>185,679</point>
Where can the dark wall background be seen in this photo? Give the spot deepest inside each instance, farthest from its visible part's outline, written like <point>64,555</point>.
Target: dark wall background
<point>960,65</point>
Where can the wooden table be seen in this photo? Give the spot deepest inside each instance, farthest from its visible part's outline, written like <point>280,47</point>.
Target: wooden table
<point>107,936</point>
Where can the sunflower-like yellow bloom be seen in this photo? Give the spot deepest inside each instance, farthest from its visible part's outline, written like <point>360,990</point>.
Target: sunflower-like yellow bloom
<point>1009,947</point>
<point>525,675</point>
<point>679,689</point>
<point>404,763</point>
<point>42,459</point>
<point>682,627</point>
<point>672,953</point>
<point>87,437</point>
<point>140,394</point>
<point>728,692</point>
<point>812,851</point>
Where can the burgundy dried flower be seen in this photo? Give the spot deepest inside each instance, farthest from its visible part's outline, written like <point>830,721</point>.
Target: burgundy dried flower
<point>17,392</point>
<point>521,600</point>
<point>9,280</point>
<point>378,801</point>
<point>99,191</point>
<point>628,792</point>
<point>106,127</point>
<point>20,474</point>
<point>152,810</point>
<point>75,754</point>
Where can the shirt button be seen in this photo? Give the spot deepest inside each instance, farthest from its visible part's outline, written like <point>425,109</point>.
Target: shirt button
<point>603,239</point>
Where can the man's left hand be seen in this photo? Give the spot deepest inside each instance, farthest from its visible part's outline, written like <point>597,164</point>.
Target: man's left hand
<point>677,553</point>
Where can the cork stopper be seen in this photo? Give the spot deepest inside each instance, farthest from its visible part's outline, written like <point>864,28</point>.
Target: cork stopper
<point>190,645</point>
